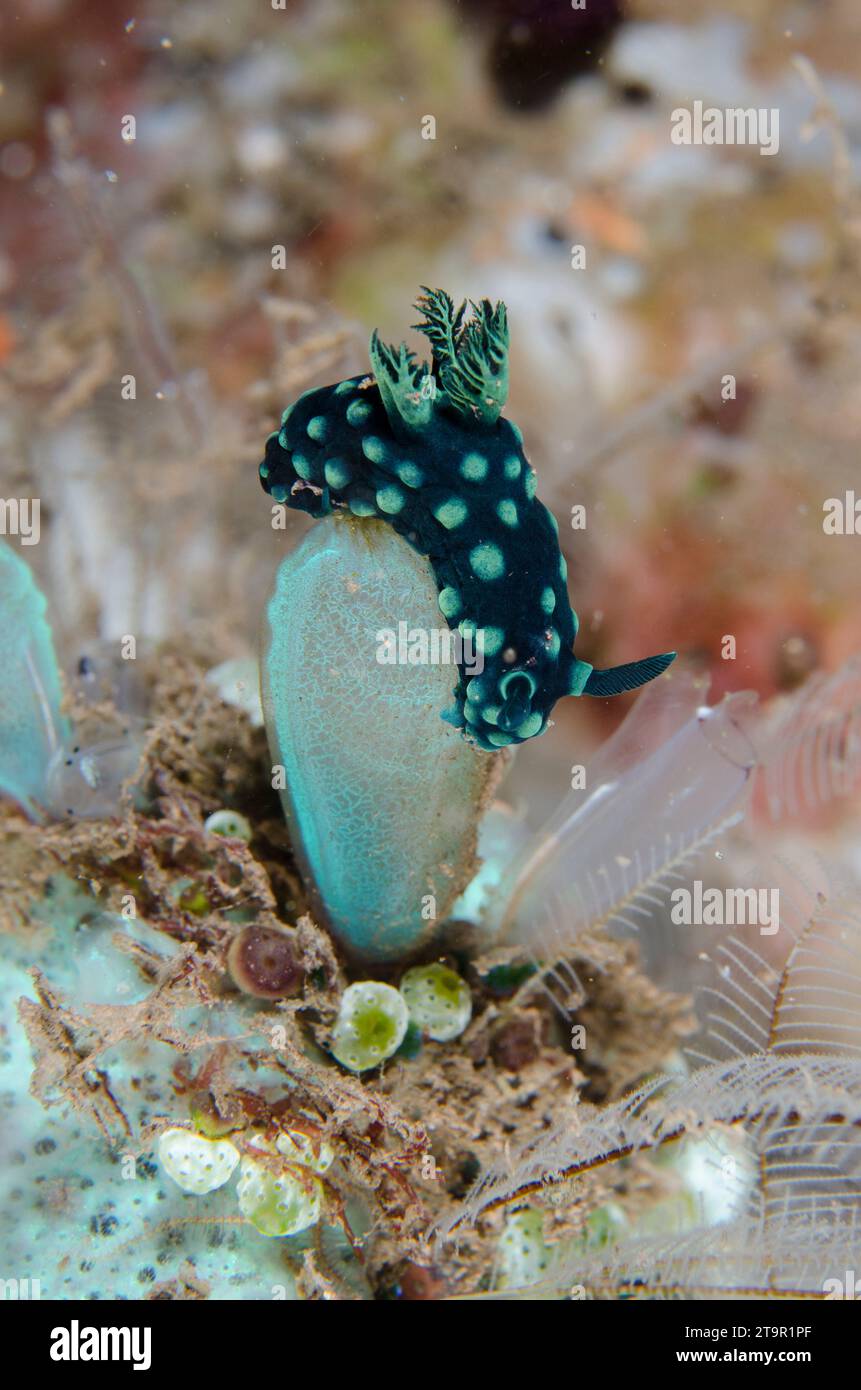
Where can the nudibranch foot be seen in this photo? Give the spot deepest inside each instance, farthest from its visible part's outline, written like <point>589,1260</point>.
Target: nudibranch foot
<point>426,450</point>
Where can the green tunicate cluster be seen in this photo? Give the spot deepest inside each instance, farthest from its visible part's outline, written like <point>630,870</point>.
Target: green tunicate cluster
<point>438,1000</point>
<point>230,823</point>
<point>282,1203</point>
<point>196,1164</point>
<point>300,1148</point>
<point>604,1225</point>
<point>523,1252</point>
<point>371,1024</point>
<point>279,1188</point>
<point>375,1020</point>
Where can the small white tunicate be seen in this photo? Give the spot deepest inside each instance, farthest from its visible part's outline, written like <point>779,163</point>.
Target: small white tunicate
<point>238,684</point>
<point>371,1024</point>
<point>195,1163</point>
<point>299,1148</point>
<point>87,782</point>
<point>277,1204</point>
<point>438,1000</point>
<point>523,1252</point>
<point>230,823</point>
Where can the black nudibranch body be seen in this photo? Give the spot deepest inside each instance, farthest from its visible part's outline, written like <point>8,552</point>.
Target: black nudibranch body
<point>427,451</point>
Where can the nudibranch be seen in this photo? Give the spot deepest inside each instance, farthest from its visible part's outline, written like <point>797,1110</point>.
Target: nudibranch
<point>427,451</point>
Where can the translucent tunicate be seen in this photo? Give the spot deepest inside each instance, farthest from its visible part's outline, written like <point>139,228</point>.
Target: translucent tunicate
<point>381,793</point>
<point>195,1163</point>
<point>438,1000</point>
<point>31,725</point>
<point>372,1020</point>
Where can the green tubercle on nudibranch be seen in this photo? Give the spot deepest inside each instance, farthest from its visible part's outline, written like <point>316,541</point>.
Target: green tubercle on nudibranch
<point>426,450</point>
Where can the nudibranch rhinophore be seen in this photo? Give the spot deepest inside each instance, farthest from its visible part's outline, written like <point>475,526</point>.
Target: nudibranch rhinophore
<point>426,450</point>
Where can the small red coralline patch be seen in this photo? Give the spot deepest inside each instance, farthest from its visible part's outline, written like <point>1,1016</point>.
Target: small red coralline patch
<point>417,1284</point>
<point>515,1044</point>
<point>729,416</point>
<point>263,961</point>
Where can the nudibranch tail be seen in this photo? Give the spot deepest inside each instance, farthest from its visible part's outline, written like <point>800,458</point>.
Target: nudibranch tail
<point>630,677</point>
<point>428,452</point>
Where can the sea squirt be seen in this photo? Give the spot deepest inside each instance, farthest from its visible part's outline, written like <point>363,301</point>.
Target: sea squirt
<point>380,794</point>
<point>32,727</point>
